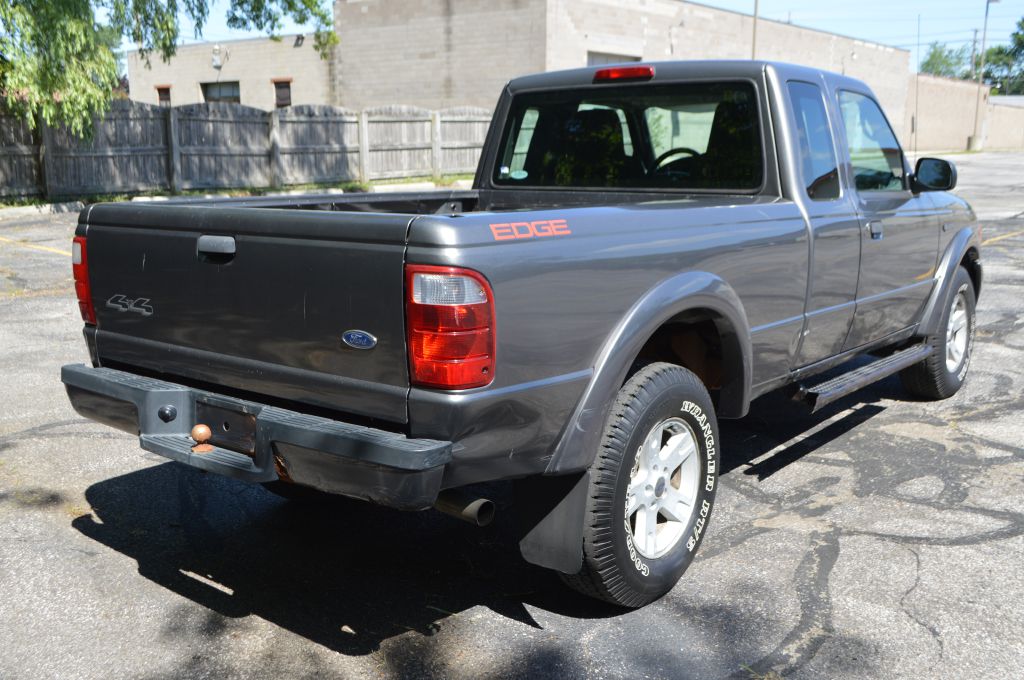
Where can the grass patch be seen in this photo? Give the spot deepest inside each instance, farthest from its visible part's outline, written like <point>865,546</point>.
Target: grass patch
<point>237,192</point>
<point>445,181</point>
<point>21,202</point>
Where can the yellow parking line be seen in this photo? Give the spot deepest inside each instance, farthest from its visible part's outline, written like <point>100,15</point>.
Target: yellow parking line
<point>45,249</point>
<point>994,239</point>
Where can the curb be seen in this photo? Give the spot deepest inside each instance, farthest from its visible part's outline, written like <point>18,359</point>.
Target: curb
<point>402,187</point>
<point>45,209</point>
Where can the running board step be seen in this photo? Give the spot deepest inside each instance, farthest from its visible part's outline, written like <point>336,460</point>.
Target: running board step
<point>822,394</point>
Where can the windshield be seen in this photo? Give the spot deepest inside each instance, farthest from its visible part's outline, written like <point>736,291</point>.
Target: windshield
<point>680,136</point>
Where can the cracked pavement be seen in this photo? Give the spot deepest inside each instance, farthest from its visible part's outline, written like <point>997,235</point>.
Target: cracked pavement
<point>881,537</point>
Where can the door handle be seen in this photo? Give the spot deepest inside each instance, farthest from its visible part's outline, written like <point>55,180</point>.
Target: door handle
<point>876,231</point>
<point>220,245</point>
<point>216,249</point>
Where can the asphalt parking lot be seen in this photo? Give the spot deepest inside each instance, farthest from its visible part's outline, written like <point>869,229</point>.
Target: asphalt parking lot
<point>880,538</point>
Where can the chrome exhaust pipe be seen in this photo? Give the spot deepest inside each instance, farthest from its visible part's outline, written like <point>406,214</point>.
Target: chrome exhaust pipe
<point>468,508</point>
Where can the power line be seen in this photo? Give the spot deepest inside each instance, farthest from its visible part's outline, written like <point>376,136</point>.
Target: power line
<point>990,43</point>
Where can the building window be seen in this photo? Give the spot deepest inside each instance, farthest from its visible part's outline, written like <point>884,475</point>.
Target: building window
<point>163,95</point>
<point>221,92</point>
<point>602,58</point>
<point>282,93</point>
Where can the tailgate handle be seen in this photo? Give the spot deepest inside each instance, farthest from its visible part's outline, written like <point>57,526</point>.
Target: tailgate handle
<point>217,249</point>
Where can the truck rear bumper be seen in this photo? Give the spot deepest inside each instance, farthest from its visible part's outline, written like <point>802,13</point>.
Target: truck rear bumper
<point>333,456</point>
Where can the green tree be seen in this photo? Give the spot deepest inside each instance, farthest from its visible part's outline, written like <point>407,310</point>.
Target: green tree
<point>1004,64</point>
<point>58,63</point>
<point>945,61</point>
<point>1002,69</point>
<point>1017,40</point>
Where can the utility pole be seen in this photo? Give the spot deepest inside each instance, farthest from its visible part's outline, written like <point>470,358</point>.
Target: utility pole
<point>917,89</point>
<point>974,54</point>
<point>974,143</point>
<point>753,42</point>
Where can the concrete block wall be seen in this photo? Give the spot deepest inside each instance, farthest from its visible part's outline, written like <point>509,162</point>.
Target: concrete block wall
<point>669,29</point>
<point>253,63</point>
<point>1004,127</point>
<point>440,54</point>
<point>945,113</point>
<point>434,53</point>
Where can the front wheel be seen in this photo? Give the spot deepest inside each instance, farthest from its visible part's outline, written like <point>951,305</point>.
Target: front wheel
<point>941,374</point>
<point>652,488</point>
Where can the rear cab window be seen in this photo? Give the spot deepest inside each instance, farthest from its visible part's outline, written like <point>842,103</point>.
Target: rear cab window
<point>685,136</point>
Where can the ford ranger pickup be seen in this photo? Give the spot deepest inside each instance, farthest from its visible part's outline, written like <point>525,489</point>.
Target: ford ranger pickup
<point>646,248</point>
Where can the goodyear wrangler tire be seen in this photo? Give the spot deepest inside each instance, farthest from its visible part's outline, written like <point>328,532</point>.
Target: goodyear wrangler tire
<point>652,488</point>
<point>941,375</point>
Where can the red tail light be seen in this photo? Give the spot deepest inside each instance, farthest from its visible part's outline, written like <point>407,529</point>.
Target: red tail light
<point>624,73</point>
<point>80,269</point>
<point>449,317</point>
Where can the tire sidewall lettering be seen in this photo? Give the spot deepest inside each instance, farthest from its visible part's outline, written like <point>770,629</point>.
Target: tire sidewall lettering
<point>704,428</point>
<point>972,320</point>
<point>706,435</point>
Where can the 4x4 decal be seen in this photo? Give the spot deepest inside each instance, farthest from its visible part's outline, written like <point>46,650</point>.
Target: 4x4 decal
<point>124,304</point>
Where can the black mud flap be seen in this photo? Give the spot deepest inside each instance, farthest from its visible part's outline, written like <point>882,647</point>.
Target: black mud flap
<point>549,513</point>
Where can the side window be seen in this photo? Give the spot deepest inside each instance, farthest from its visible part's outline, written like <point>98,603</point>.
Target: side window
<point>817,154</point>
<point>874,152</point>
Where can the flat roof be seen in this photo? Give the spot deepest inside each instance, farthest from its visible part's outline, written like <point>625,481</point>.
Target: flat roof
<point>800,26</point>
<point>263,38</point>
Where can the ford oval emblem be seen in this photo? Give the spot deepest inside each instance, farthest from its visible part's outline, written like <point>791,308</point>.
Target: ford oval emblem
<point>359,339</point>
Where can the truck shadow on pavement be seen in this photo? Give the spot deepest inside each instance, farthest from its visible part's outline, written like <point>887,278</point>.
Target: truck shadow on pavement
<point>348,575</point>
<point>345,574</point>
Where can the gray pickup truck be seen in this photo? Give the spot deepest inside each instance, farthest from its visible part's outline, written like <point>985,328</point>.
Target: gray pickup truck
<point>646,249</point>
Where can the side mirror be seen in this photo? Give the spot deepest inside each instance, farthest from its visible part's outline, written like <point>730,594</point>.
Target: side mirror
<point>934,174</point>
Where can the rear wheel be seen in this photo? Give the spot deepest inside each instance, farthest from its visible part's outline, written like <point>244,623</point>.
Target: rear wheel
<point>652,487</point>
<point>941,374</point>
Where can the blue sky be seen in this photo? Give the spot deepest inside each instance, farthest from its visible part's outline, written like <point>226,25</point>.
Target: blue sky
<point>894,22</point>
<point>891,22</point>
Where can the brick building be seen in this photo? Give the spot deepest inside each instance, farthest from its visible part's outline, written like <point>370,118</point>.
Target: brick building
<point>259,72</point>
<point>442,53</point>
<point>438,54</point>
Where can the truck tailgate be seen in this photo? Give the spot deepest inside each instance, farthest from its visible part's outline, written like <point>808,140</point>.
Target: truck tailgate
<point>267,319</point>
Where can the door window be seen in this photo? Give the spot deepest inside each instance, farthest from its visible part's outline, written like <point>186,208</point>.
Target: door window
<point>817,155</point>
<point>874,152</point>
<point>602,58</point>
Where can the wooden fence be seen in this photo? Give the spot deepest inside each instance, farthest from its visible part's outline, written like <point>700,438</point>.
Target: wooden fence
<point>141,147</point>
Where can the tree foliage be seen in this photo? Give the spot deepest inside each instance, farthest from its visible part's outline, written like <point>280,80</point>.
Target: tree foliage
<point>1004,64</point>
<point>946,61</point>
<point>58,64</point>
